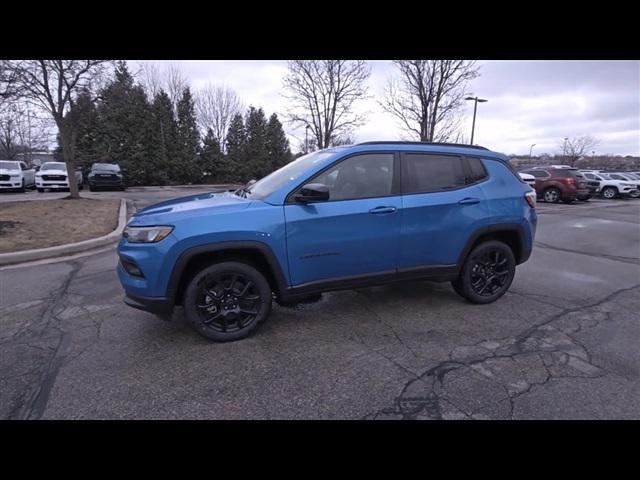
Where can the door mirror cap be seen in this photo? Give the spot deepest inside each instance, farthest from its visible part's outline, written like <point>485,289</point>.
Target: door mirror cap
<point>312,192</point>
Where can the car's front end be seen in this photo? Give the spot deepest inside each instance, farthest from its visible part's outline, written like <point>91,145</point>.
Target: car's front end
<point>106,178</point>
<point>53,176</point>
<point>11,176</point>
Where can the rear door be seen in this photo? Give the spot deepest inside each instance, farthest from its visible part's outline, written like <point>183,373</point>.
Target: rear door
<point>443,205</point>
<point>355,232</point>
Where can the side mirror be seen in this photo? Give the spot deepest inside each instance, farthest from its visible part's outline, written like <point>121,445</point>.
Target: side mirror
<point>312,192</point>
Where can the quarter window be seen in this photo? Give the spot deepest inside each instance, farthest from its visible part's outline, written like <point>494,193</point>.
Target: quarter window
<point>431,173</point>
<point>362,176</point>
<point>476,171</point>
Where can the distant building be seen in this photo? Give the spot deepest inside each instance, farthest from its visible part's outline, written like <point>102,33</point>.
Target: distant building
<point>37,158</point>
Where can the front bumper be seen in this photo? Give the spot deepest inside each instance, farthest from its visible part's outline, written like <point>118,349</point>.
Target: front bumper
<point>52,184</point>
<point>158,305</point>
<point>10,184</point>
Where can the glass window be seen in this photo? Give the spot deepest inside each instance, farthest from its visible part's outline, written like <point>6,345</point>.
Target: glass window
<point>431,173</point>
<point>362,176</point>
<point>538,173</point>
<point>476,170</point>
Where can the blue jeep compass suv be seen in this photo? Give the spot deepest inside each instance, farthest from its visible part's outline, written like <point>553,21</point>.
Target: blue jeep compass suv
<point>334,219</point>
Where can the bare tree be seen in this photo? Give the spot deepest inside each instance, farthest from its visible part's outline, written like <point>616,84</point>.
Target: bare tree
<point>175,83</point>
<point>21,131</point>
<point>7,82</point>
<point>323,94</point>
<point>428,95</point>
<point>575,148</point>
<point>215,107</point>
<point>150,78</point>
<point>54,85</point>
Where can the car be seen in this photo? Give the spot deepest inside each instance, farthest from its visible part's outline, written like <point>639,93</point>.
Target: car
<point>105,175</point>
<point>53,176</point>
<point>592,185</point>
<point>609,187</point>
<point>627,178</point>
<point>529,179</point>
<point>16,175</point>
<point>338,218</point>
<point>558,184</point>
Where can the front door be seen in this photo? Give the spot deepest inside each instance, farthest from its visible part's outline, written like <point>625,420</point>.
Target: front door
<point>354,233</point>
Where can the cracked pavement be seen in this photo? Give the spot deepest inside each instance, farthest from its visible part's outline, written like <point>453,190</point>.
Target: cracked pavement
<point>561,344</point>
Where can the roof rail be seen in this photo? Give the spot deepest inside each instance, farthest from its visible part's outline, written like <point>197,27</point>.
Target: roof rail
<point>461,145</point>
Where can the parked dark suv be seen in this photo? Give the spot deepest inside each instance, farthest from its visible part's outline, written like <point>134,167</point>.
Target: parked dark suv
<point>105,175</point>
<point>340,218</point>
<point>559,184</point>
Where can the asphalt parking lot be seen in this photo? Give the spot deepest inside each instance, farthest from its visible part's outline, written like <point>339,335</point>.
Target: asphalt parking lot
<point>561,344</point>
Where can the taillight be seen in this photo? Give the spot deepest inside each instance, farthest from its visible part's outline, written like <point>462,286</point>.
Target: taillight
<point>570,181</point>
<point>530,198</point>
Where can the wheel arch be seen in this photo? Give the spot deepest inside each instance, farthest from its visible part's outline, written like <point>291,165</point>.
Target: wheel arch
<point>510,233</point>
<point>192,260</point>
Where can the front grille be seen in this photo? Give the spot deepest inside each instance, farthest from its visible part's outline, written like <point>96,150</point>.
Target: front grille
<point>51,178</point>
<point>4,178</point>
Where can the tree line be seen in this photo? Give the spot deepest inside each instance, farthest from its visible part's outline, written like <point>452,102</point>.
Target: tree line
<point>159,144</point>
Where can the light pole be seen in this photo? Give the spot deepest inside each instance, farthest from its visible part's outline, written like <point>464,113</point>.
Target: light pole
<point>531,150</point>
<point>475,107</point>
<point>306,139</point>
<point>564,150</point>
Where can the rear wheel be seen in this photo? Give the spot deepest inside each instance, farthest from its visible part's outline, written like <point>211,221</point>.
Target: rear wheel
<point>609,192</point>
<point>552,195</point>
<point>226,301</point>
<point>487,272</point>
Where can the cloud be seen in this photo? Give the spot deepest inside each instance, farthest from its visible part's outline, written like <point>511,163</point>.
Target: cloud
<point>537,102</point>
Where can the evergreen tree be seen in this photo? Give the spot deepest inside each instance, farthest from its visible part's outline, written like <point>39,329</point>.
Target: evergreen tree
<point>188,141</point>
<point>163,149</point>
<point>123,126</point>
<point>257,158</point>
<point>278,150</point>
<point>234,170</point>
<point>211,158</point>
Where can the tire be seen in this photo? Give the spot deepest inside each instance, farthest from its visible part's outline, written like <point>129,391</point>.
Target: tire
<point>214,293</point>
<point>23,188</point>
<point>609,192</point>
<point>567,200</point>
<point>584,198</point>
<point>552,195</point>
<point>469,286</point>
<point>80,187</point>
<point>40,190</point>
<point>91,189</point>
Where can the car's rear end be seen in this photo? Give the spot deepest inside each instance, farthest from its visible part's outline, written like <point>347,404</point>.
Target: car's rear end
<point>574,185</point>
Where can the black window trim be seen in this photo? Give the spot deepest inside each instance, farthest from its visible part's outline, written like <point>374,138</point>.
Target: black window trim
<point>396,190</point>
<point>468,170</point>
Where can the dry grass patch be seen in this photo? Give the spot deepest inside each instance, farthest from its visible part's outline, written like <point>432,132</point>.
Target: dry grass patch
<point>47,223</point>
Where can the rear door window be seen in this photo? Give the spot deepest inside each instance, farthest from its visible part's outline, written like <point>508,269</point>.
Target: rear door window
<point>423,173</point>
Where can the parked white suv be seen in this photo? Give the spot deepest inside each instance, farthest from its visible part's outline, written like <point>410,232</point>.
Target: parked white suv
<point>53,175</point>
<point>612,187</point>
<point>16,175</point>
<point>529,179</point>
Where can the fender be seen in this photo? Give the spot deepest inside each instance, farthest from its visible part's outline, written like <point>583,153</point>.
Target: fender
<point>498,227</point>
<point>262,248</point>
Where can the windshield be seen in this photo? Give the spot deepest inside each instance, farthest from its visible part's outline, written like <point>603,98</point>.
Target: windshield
<point>105,167</point>
<point>272,182</point>
<point>10,165</point>
<point>54,166</point>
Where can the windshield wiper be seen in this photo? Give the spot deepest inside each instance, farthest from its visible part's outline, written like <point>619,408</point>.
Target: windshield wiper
<point>245,190</point>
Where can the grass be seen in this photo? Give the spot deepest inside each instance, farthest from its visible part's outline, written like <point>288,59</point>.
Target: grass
<point>47,223</point>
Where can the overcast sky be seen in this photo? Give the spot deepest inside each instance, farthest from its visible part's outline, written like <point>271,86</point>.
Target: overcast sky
<point>530,102</point>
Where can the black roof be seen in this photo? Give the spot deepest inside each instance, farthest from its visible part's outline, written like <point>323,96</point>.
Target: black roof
<point>460,145</point>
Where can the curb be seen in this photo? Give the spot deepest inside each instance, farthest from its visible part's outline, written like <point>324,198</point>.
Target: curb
<point>70,248</point>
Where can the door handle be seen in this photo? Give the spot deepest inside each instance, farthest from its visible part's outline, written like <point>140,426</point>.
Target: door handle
<point>381,210</point>
<point>469,201</point>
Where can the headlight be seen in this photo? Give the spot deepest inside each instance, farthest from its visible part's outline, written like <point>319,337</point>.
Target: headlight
<point>15,176</point>
<point>627,184</point>
<point>146,234</point>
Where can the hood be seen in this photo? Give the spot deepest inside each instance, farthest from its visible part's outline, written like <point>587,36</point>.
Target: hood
<point>52,172</point>
<point>192,204</point>
<point>7,171</point>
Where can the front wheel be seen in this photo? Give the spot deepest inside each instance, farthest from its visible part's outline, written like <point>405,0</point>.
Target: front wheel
<point>487,273</point>
<point>226,301</point>
<point>23,188</point>
<point>40,190</point>
<point>609,192</point>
